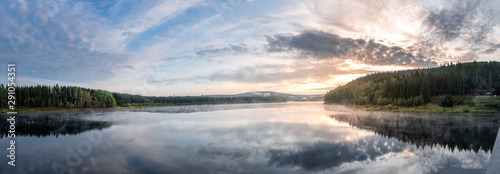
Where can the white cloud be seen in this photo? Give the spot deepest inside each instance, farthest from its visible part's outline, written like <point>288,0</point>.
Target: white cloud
<point>117,36</point>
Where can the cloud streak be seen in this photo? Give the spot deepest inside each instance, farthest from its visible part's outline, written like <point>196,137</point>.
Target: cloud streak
<point>231,49</point>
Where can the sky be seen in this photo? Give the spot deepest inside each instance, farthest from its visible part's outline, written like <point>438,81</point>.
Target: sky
<point>195,47</point>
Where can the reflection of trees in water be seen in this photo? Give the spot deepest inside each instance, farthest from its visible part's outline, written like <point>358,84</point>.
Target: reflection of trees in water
<point>459,132</point>
<point>50,125</point>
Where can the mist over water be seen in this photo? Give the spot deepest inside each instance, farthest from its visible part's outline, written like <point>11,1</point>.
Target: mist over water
<point>293,137</point>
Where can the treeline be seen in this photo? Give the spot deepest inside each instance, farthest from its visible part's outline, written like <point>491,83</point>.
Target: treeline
<point>126,99</point>
<point>58,96</point>
<point>416,87</point>
<point>42,96</point>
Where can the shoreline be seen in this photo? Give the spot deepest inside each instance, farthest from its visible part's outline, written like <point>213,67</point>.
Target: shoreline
<point>59,110</point>
<point>429,108</point>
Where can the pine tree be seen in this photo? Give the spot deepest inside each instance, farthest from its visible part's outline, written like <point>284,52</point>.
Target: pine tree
<point>425,90</point>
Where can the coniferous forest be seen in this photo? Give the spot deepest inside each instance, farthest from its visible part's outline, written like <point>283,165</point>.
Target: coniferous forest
<point>418,87</point>
<point>128,99</point>
<point>42,96</point>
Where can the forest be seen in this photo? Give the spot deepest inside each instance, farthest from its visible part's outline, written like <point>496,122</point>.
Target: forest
<point>128,99</point>
<point>420,86</point>
<point>43,96</point>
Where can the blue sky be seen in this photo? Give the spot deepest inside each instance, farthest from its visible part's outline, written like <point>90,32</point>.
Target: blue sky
<point>194,47</point>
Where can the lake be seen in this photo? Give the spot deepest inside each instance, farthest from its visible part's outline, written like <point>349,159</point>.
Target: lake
<point>293,137</point>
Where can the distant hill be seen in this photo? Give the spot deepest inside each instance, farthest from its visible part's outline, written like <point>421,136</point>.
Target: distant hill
<point>288,97</point>
<point>417,87</point>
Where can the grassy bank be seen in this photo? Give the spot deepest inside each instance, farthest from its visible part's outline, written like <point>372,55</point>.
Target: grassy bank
<point>462,105</point>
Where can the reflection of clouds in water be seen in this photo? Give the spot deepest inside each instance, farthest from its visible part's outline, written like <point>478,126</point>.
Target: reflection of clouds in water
<point>294,138</point>
<point>374,155</point>
<point>323,155</point>
<point>283,135</point>
<point>426,160</point>
<point>217,152</point>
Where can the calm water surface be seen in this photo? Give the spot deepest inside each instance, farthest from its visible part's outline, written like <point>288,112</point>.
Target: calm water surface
<point>294,137</point>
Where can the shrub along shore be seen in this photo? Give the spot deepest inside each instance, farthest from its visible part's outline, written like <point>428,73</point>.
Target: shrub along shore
<point>460,104</point>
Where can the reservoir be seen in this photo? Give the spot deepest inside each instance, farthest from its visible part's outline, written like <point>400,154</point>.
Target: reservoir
<point>293,137</point>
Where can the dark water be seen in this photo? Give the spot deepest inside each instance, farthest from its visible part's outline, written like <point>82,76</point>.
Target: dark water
<point>306,137</point>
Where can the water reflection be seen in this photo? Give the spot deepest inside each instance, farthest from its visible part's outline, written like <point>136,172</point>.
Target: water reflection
<point>207,108</point>
<point>462,132</point>
<point>252,138</point>
<point>323,155</point>
<point>51,124</point>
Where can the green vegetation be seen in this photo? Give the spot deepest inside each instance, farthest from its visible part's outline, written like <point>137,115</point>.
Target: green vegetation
<point>137,100</point>
<point>446,101</point>
<point>42,96</point>
<point>68,98</point>
<point>445,88</point>
<point>469,104</point>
